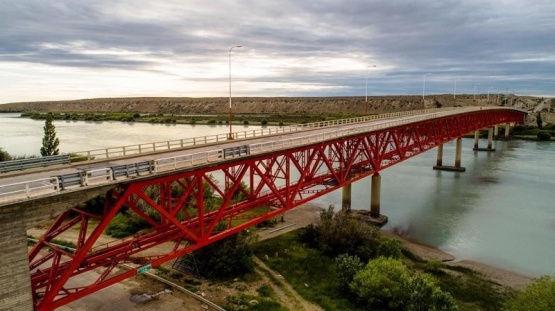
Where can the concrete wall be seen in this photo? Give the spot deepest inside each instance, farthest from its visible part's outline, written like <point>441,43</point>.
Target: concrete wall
<point>15,283</point>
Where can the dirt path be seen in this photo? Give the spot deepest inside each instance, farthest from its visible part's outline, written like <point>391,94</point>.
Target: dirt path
<point>289,298</point>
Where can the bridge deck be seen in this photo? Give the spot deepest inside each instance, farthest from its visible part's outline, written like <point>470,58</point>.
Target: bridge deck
<point>14,184</point>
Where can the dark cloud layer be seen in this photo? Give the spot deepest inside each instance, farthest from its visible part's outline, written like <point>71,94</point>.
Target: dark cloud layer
<point>499,45</point>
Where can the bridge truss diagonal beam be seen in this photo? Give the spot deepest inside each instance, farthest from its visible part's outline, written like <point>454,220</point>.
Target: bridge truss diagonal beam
<point>187,210</point>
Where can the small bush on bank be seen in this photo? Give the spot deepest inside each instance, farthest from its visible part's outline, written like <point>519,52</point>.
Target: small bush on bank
<point>538,296</point>
<point>544,136</point>
<point>4,156</point>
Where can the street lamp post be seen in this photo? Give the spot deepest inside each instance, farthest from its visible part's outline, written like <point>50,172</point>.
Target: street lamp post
<point>366,98</point>
<point>489,88</point>
<point>474,97</point>
<point>230,136</point>
<point>424,87</point>
<point>455,94</point>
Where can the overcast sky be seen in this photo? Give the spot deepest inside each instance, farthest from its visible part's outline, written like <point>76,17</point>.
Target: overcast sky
<point>72,49</point>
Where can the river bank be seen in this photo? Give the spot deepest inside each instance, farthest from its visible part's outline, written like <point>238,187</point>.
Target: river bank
<point>497,275</point>
<point>309,213</point>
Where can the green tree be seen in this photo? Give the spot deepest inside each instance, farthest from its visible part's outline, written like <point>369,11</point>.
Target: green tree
<point>228,258</point>
<point>339,233</point>
<point>539,120</point>
<point>538,296</point>
<point>380,283</point>
<point>425,295</point>
<point>49,142</point>
<point>4,156</point>
<point>389,248</point>
<point>385,283</point>
<point>346,267</point>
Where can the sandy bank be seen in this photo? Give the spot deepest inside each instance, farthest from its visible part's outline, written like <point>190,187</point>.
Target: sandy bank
<point>498,275</point>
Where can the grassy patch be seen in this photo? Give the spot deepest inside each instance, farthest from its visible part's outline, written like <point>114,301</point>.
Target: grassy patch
<point>252,303</point>
<point>472,292</point>
<point>309,272</point>
<point>266,291</point>
<point>313,276</point>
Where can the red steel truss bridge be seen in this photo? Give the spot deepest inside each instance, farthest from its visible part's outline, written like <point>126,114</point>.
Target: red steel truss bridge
<point>174,192</point>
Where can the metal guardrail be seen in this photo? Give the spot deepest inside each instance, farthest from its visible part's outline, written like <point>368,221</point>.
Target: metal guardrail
<point>16,165</point>
<point>25,190</point>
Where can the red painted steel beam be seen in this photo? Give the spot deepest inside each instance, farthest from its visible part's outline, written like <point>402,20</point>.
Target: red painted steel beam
<point>183,215</point>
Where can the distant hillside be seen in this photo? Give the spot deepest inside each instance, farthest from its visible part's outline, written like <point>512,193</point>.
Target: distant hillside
<point>274,105</point>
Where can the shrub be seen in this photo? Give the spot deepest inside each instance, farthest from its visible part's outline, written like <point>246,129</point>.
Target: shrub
<point>228,258</point>
<point>266,291</point>
<point>4,156</point>
<point>425,295</point>
<point>540,295</point>
<point>346,267</point>
<point>389,248</point>
<point>385,283</point>
<point>74,157</point>
<point>544,135</point>
<point>380,283</point>
<point>338,233</point>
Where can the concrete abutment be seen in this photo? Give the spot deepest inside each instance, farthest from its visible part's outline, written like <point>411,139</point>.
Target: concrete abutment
<point>15,281</point>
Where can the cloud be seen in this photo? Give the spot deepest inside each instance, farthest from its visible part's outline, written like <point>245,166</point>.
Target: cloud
<point>312,48</point>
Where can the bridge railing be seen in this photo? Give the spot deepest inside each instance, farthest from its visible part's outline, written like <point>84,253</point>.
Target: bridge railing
<point>23,190</point>
<point>15,165</point>
<point>28,189</point>
<point>130,150</point>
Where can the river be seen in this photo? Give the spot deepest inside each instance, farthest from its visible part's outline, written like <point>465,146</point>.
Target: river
<point>500,212</point>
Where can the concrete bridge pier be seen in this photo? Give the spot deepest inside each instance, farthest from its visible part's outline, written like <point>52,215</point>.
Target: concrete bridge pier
<point>15,281</point>
<point>375,190</point>
<point>439,161</point>
<point>490,141</point>
<point>458,156</point>
<point>373,215</point>
<point>346,198</point>
<point>496,132</point>
<point>507,130</point>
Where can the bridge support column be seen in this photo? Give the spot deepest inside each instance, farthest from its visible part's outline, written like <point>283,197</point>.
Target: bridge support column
<point>496,132</point>
<point>373,215</point>
<point>476,139</point>
<point>346,198</point>
<point>375,190</point>
<point>490,141</point>
<point>15,281</point>
<point>458,156</point>
<point>507,129</point>
<point>439,160</point>
<point>458,153</point>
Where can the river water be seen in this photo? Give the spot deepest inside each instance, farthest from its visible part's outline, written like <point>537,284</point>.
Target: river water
<point>501,211</point>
